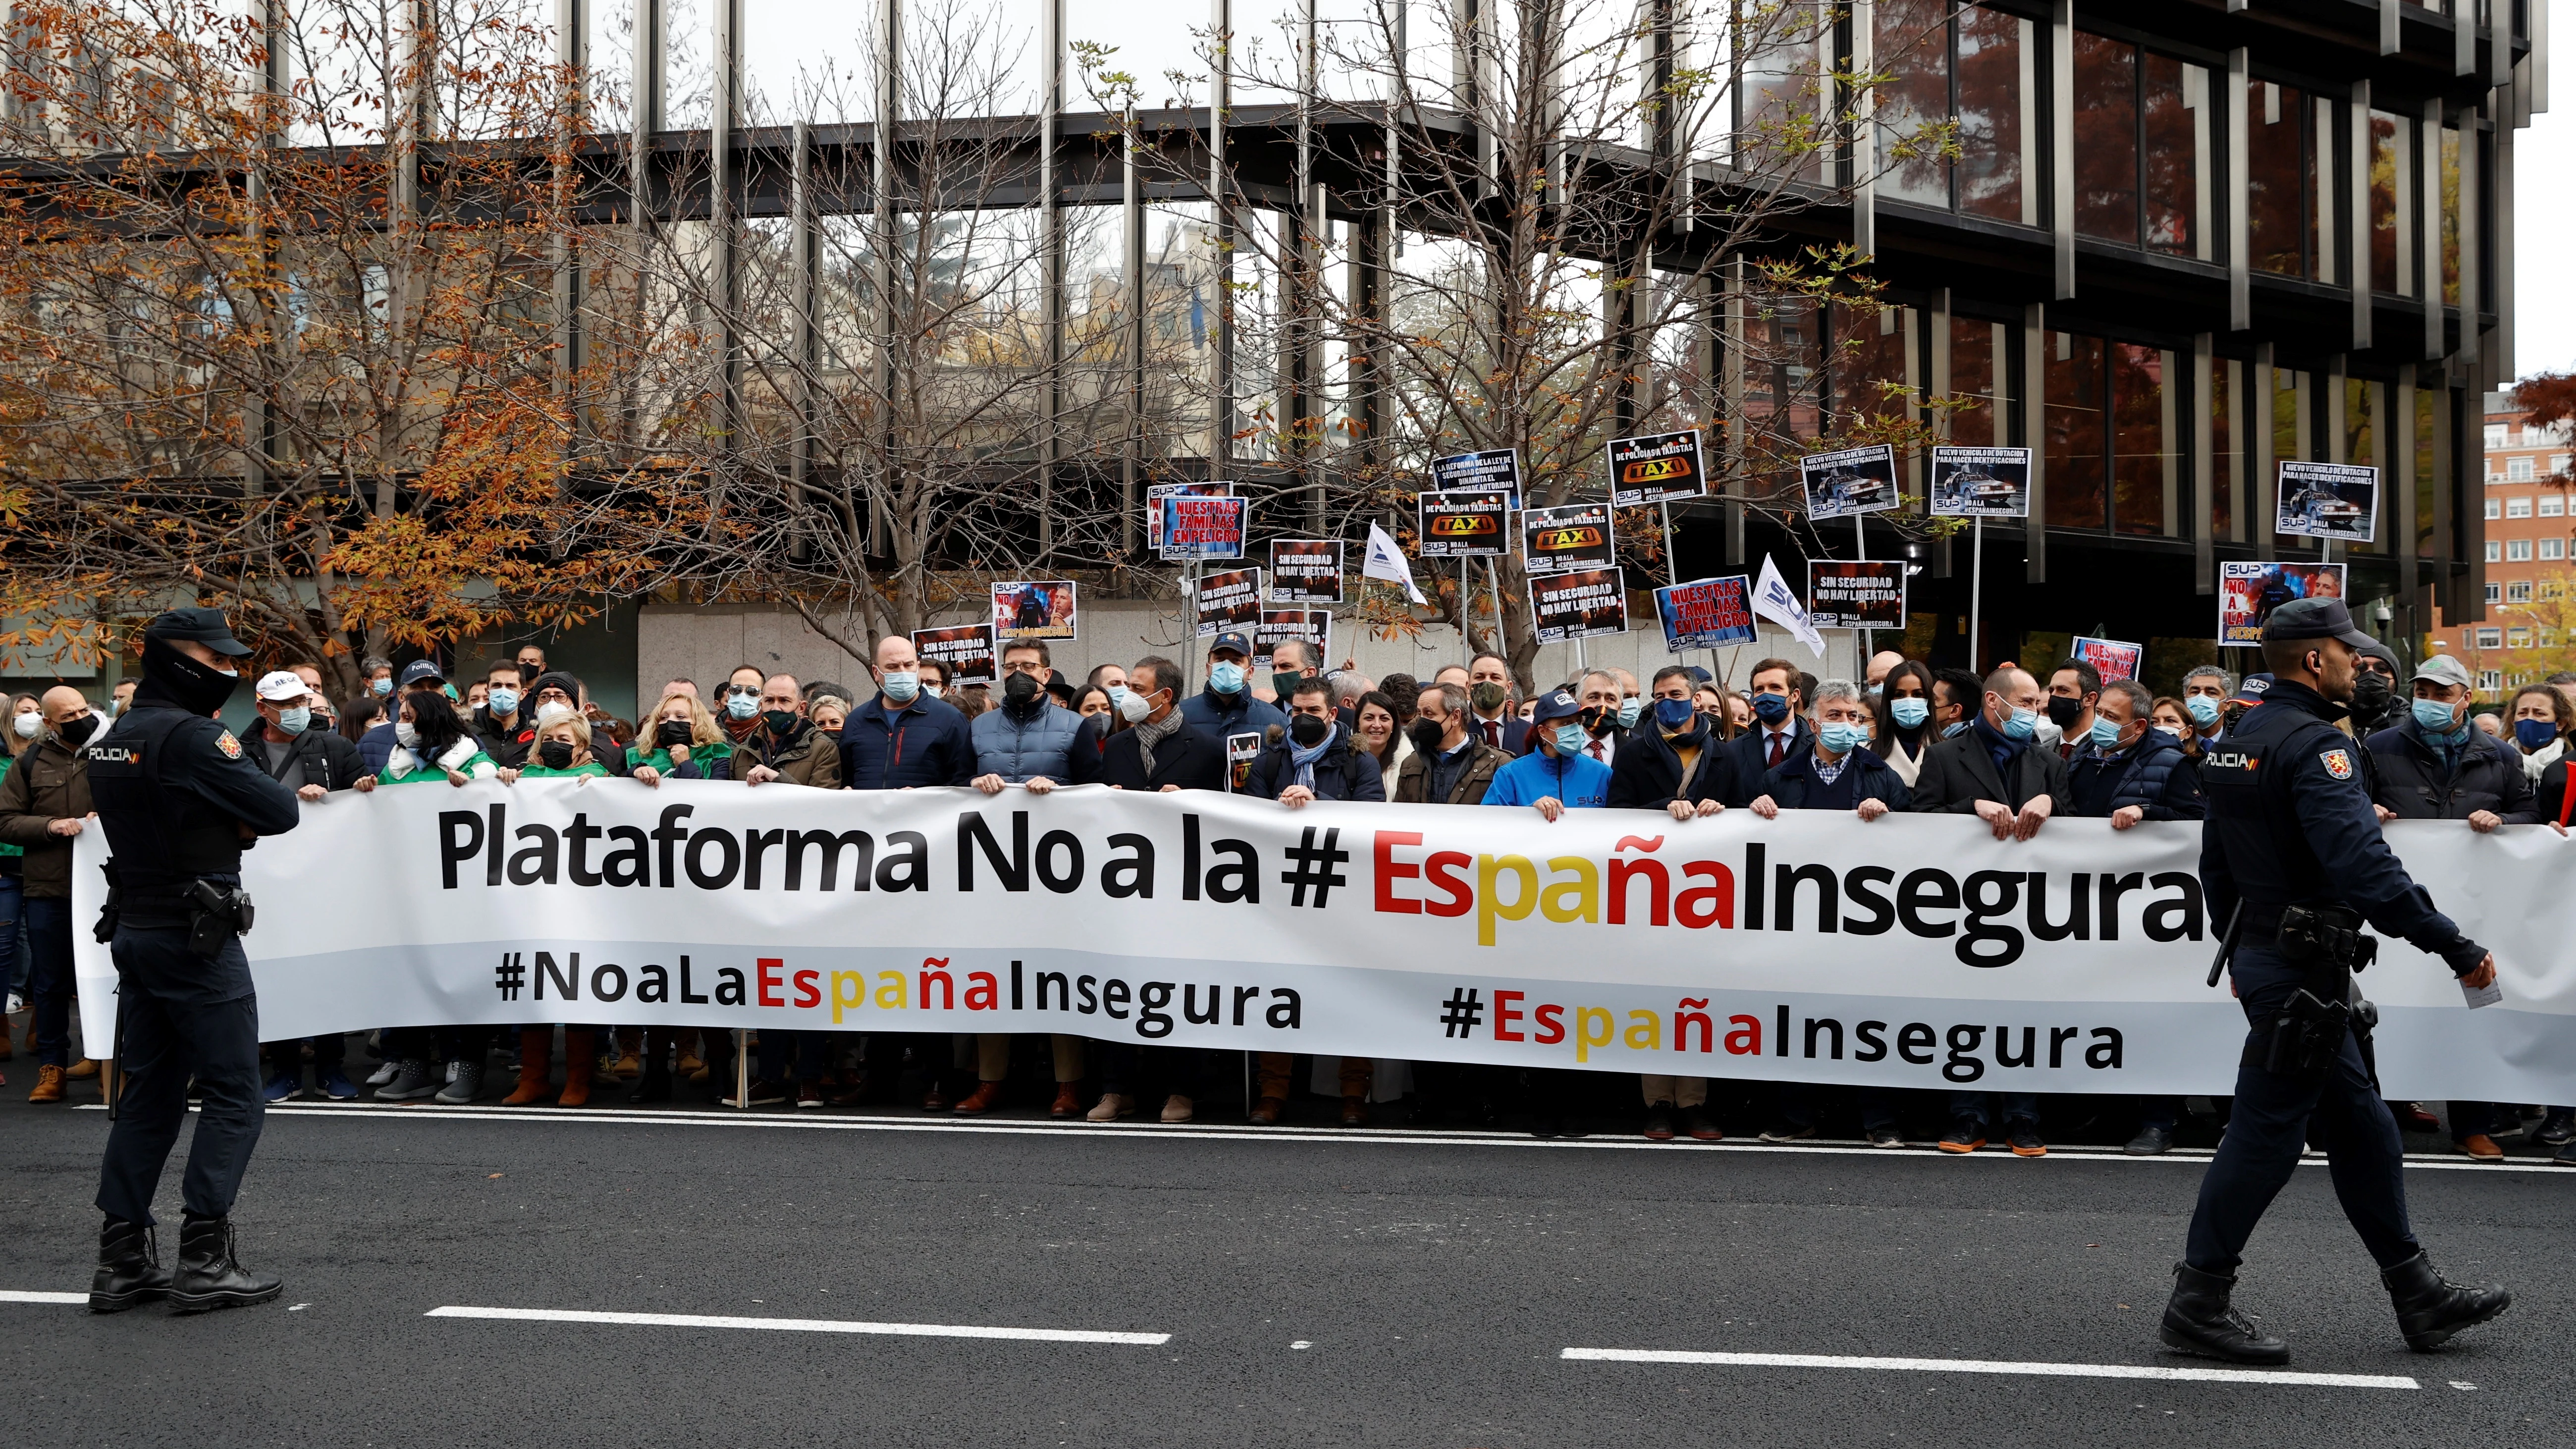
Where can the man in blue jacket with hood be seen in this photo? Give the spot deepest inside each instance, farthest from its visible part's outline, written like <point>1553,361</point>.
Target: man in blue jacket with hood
<point>904,736</point>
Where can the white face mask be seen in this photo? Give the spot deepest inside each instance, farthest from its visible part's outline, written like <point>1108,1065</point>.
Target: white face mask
<point>407,735</point>
<point>30,725</point>
<point>1136,708</point>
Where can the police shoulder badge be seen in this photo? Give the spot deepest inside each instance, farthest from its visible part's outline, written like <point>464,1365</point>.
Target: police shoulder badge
<point>225,742</point>
<point>2338,762</point>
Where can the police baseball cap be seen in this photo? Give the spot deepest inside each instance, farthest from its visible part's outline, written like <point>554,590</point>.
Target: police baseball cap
<point>206,626</point>
<point>423,669</point>
<point>1556,704</point>
<point>283,684</point>
<point>2444,670</point>
<point>1232,640</point>
<point>2315,619</point>
<point>2252,690</point>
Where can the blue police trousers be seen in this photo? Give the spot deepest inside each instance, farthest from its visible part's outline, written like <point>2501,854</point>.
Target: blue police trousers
<point>2270,1126</point>
<point>181,1016</point>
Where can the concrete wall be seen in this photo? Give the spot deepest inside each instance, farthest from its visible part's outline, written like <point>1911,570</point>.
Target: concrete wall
<point>676,641</point>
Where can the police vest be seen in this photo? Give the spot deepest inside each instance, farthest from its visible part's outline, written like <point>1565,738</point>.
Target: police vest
<point>2252,819</point>
<point>163,838</point>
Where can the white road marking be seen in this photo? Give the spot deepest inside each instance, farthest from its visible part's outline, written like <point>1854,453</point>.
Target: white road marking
<point>1996,1366</point>
<point>801,1325</point>
<point>1411,1136</point>
<point>17,1295</point>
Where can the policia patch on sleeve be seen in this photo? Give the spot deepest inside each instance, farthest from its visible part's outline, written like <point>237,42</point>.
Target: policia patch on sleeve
<point>231,747</point>
<point>2338,762</point>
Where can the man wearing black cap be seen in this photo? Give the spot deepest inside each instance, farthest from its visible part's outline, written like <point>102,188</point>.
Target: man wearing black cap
<point>180,801</point>
<point>1226,706</point>
<point>2292,861</point>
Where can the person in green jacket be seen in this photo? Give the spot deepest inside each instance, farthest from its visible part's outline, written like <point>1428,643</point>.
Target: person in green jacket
<point>680,740</point>
<point>432,743</point>
<point>561,751</point>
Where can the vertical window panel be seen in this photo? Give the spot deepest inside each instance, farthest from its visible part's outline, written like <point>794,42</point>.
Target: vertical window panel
<point>2276,182</point>
<point>2321,190</point>
<point>2075,422</point>
<point>2174,102</point>
<point>2141,450</point>
<point>1976,352</point>
<point>1995,131</point>
<point>2106,139</point>
<point>2392,213</point>
<point>1911,45</point>
<point>2226,487</point>
<point>2450,216</point>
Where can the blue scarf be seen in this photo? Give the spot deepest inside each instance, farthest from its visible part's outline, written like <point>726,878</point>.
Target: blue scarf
<point>1305,759</point>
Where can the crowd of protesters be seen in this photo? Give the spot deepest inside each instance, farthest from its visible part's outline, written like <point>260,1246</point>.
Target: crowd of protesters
<point>2017,748</point>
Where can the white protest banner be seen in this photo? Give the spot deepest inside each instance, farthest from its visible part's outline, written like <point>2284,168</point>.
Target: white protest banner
<point>1911,951</point>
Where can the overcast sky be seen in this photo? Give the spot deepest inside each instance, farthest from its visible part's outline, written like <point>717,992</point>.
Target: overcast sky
<point>2545,201</point>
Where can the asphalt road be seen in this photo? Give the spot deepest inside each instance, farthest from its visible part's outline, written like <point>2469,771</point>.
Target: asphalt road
<point>1317,1287</point>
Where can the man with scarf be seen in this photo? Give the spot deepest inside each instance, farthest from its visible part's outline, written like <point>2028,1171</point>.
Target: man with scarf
<point>180,801</point>
<point>1675,761</point>
<point>783,744</point>
<point>1313,761</point>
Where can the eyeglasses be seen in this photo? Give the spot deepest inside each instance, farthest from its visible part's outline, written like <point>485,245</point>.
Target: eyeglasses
<point>731,690</point>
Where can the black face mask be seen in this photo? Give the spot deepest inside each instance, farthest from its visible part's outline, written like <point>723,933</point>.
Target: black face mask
<point>1020,693</point>
<point>1309,731</point>
<point>1426,736</point>
<point>780,721</point>
<point>76,733</point>
<point>188,684</point>
<point>672,732</point>
<point>1600,720</point>
<point>2063,713</point>
<point>2371,693</point>
<point>556,754</point>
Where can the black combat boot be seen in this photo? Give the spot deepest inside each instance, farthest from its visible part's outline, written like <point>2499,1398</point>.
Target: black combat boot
<point>209,1276</point>
<point>129,1267</point>
<point>2198,1320</point>
<point>2431,1308</point>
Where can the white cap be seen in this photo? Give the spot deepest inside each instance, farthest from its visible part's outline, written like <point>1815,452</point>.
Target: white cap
<point>283,684</point>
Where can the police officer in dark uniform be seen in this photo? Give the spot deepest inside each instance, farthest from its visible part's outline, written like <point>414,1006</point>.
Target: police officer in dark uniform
<point>180,803</point>
<point>2292,859</point>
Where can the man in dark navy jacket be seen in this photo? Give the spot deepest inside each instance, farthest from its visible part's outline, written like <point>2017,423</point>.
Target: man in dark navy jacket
<point>904,736</point>
<point>1778,729</point>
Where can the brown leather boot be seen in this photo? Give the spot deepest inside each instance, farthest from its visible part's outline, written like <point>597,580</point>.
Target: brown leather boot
<point>1068,1100</point>
<point>49,1084</point>
<point>581,1058</point>
<point>535,1043</point>
<point>985,1097</point>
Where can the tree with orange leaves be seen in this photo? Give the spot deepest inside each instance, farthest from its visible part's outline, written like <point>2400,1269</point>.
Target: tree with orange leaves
<point>275,327</point>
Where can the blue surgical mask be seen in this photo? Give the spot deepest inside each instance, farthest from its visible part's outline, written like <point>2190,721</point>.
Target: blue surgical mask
<point>2106,735</point>
<point>1909,712</point>
<point>1571,738</point>
<point>2534,734</point>
<point>2202,709</point>
<point>1226,678</point>
<point>901,685</point>
<point>1839,738</point>
<point>1118,699</point>
<point>295,721</point>
<point>380,687</point>
<point>742,706</point>
<point>1672,714</point>
<point>2434,717</point>
<point>502,702</point>
<point>2021,724</point>
<point>1771,708</point>
<point>1631,708</point>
